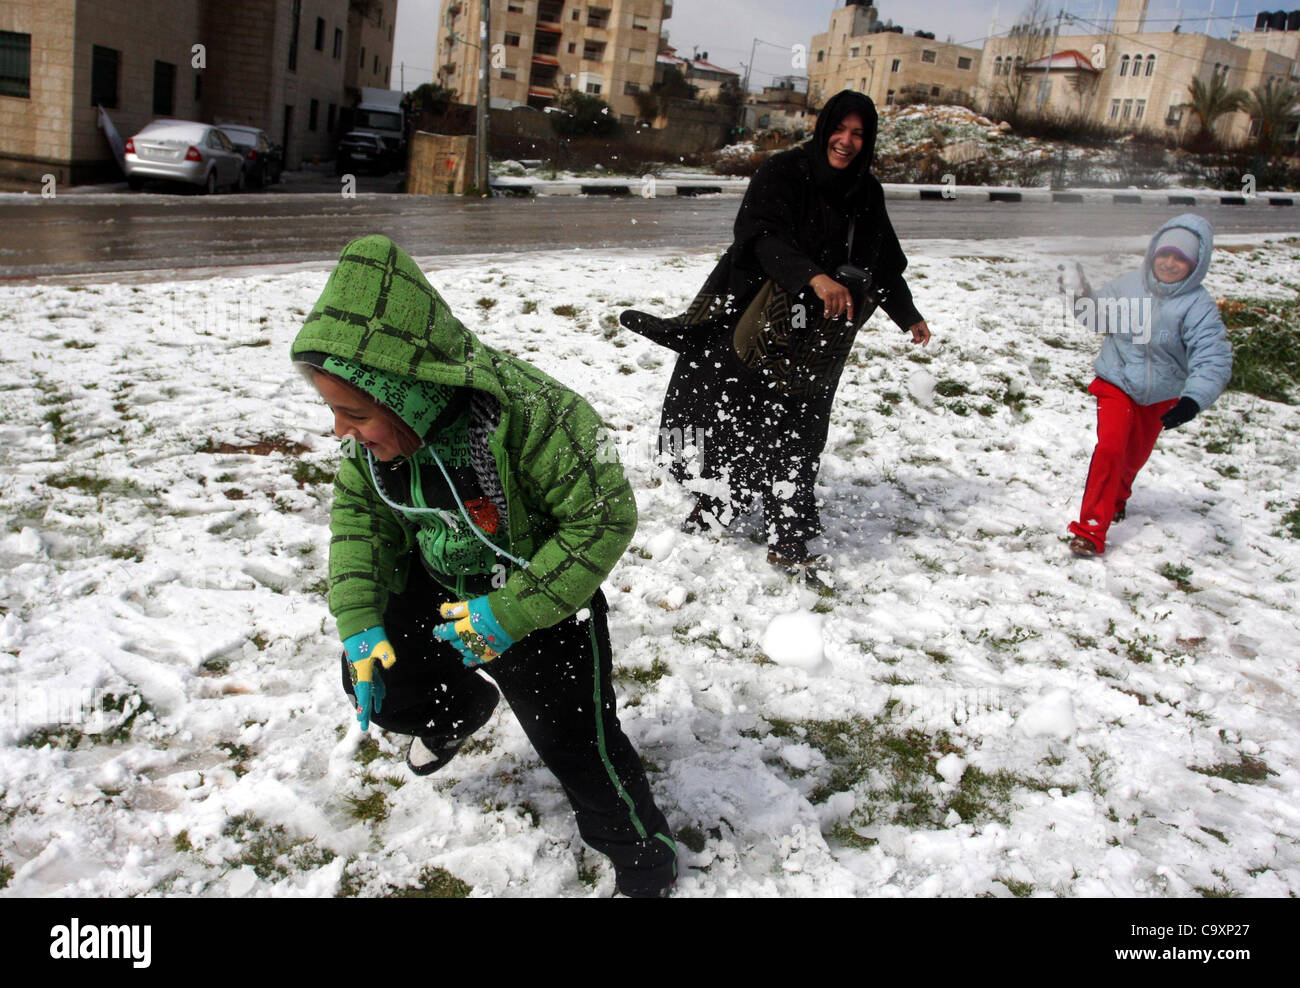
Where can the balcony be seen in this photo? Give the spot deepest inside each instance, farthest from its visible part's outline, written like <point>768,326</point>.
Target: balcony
<point>545,43</point>
<point>550,12</point>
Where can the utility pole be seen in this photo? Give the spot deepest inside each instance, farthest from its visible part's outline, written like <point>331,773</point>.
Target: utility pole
<point>1047,66</point>
<point>482,180</point>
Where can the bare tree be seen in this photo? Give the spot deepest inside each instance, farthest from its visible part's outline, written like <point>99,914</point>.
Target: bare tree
<point>1030,39</point>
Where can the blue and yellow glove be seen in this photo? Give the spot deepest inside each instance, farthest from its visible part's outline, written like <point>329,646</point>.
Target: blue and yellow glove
<point>364,649</point>
<point>473,629</point>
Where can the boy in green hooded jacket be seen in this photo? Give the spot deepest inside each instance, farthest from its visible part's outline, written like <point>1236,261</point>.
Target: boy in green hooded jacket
<point>476,513</point>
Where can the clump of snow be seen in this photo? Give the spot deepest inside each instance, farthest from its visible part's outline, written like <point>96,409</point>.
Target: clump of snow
<point>795,640</point>
<point>1051,716</point>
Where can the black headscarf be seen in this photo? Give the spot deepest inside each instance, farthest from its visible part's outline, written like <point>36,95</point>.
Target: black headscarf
<point>841,182</point>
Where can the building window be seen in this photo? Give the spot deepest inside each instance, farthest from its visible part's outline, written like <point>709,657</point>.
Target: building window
<point>509,73</point>
<point>1139,109</point>
<point>963,63</point>
<point>320,33</point>
<point>868,50</point>
<point>331,116</point>
<point>934,90</point>
<point>593,88</point>
<point>640,22</point>
<point>1175,116</point>
<point>929,56</point>
<point>573,47</point>
<point>363,57</point>
<point>853,52</point>
<point>512,40</point>
<point>997,66</point>
<point>15,64</point>
<point>821,54</point>
<point>1127,111</point>
<point>898,62</point>
<point>593,51</point>
<point>1114,109</point>
<point>1151,64</point>
<point>313,111</point>
<point>577,14</point>
<point>375,67</point>
<point>889,98</point>
<point>104,63</point>
<point>515,7</point>
<point>338,42</point>
<point>1123,66</point>
<point>631,88</point>
<point>164,89</point>
<point>597,17</point>
<point>294,24</point>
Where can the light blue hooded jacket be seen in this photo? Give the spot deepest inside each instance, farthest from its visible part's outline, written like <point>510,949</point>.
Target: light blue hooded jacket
<point>1162,341</point>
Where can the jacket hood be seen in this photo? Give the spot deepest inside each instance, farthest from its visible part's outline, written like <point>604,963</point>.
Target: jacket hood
<point>379,311</point>
<point>836,109</point>
<point>1204,233</point>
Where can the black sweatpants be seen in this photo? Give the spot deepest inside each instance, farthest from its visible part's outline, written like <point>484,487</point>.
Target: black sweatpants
<point>558,683</point>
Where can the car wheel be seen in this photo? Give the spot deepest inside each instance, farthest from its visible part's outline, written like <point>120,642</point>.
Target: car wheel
<point>135,184</point>
<point>210,184</point>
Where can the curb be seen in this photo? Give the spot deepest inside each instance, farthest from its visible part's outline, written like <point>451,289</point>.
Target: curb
<point>941,193</point>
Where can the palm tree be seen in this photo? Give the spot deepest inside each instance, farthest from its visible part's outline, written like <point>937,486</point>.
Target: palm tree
<point>1271,106</point>
<point>1213,101</point>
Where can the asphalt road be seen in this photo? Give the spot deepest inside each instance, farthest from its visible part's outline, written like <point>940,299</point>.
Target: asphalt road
<point>85,234</point>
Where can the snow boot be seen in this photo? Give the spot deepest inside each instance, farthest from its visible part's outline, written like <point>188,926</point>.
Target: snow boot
<point>1120,514</point>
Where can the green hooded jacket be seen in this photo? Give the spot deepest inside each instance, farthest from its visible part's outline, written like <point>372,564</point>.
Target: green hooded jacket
<point>570,510</point>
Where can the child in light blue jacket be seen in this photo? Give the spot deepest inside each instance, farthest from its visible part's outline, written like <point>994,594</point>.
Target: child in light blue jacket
<point>1165,358</point>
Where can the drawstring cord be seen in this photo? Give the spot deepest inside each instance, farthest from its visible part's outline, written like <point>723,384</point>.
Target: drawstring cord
<point>447,517</point>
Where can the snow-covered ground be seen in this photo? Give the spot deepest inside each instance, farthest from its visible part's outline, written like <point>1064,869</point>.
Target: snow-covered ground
<point>971,712</point>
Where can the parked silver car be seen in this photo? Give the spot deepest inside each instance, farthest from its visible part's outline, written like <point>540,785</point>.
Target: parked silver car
<point>184,151</point>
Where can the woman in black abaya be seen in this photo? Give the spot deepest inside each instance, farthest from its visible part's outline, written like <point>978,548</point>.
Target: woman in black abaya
<point>764,343</point>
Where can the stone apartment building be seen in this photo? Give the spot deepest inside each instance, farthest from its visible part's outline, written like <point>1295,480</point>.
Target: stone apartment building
<point>1129,77</point>
<point>281,65</point>
<point>861,52</point>
<point>540,48</point>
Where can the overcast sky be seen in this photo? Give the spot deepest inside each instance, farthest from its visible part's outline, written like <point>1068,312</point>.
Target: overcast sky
<point>726,29</point>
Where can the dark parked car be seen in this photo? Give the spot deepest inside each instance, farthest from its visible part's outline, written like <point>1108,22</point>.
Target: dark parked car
<point>359,151</point>
<point>263,161</point>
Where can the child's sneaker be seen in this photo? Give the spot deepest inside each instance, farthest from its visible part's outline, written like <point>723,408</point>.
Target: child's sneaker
<point>1081,546</point>
<point>426,757</point>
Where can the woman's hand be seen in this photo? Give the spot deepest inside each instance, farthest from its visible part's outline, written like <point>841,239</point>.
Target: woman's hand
<point>920,333</point>
<point>837,300</point>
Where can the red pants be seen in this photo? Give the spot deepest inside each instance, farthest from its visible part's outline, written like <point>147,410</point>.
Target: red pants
<point>1126,434</point>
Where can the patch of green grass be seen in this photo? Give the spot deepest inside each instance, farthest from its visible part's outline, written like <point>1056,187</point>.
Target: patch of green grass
<point>1266,346</point>
<point>1216,834</point>
<point>529,307</point>
<point>951,389</point>
<point>6,873</point>
<point>486,304</point>
<point>94,486</point>
<point>62,432</point>
<point>646,677</point>
<point>78,345</point>
<point>692,838</point>
<point>846,835</point>
<point>1179,576</point>
<point>311,473</point>
<point>1246,771</point>
<point>371,809</point>
<point>433,883</point>
<point>271,852</point>
<point>181,842</point>
<point>367,750</point>
<point>1021,890</point>
<point>1291,521</point>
